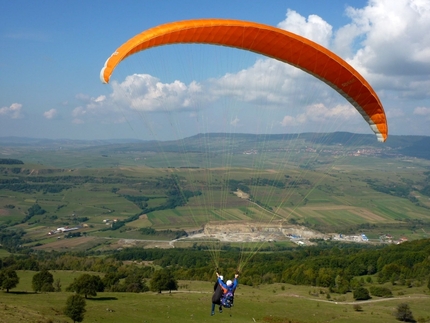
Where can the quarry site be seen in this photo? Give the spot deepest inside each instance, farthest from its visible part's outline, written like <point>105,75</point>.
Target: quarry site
<point>258,232</point>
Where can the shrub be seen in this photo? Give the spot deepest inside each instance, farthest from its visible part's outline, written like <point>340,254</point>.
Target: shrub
<point>361,294</point>
<point>403,313</point>
<point>380,291</point>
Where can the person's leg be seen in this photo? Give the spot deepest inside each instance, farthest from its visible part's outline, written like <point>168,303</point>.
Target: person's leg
<point>220,308</point>
<point>213,309</point>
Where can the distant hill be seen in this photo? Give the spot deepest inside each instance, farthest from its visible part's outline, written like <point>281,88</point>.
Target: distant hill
<point>41,143</point>
<point>412,146</point>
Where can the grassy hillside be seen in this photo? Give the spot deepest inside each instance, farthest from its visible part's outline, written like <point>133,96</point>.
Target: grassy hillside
<point>266,303</point>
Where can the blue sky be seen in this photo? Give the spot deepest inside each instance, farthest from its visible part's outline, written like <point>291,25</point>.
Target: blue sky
<point>51,53</point>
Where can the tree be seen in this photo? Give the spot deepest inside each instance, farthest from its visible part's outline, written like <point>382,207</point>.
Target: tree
<point>135,283</point>
<point>111,279</point>
<point>163,280</point>
<point>342,285</point>
<point>403,313</point>
<point>8,279</point>
<point>57,285</point>
<point>42,281</point>
<point>87,285</point>
<point>361,294</point>
<point>75,308</point>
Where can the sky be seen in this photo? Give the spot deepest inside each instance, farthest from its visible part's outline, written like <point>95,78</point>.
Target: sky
<point>52,51</point>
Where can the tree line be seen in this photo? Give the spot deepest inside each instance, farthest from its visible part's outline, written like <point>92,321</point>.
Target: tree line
<point>332,265</point>
<point>10,161</point>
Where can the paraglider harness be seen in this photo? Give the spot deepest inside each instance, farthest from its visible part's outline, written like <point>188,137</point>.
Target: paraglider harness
<point>227,299</point>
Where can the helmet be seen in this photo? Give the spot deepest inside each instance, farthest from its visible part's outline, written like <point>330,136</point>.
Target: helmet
<point>221,277</point>
<point>229,282</point>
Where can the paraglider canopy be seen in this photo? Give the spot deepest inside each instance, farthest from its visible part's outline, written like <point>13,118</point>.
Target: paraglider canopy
<point>269,41</point>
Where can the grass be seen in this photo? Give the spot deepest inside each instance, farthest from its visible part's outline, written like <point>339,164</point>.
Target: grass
<point>4,253</point>
<point>192,303</point>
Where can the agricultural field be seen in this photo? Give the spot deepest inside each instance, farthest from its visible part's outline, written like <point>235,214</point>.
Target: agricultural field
<point>95,188</point>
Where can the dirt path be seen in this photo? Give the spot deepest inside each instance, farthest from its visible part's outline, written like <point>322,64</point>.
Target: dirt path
<point>357,302</point>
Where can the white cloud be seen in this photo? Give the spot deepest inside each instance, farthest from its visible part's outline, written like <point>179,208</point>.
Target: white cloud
<point>314,28</point>
<point>422,111</point>
<point>97,108</point>
<point>391,37</point>
<point>144,92</point>
<point>268,81</point>
<point>50,114</point>
<point>78,112</point>
<point>317,113</point>
<point>288,121</point>
<point>14,111</point>
<point>100,98</point>
<point>235,122</point>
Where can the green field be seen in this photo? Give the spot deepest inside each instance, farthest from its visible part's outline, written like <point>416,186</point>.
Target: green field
<point>331,191</point>
<point>266,303</point>
<point>3,253</point>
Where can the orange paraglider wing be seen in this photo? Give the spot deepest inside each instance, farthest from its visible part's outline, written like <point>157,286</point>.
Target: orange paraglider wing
<point>269,41</point>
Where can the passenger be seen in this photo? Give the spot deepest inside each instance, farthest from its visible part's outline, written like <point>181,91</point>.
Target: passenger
<point>227,297</point>
<point>216,297</point>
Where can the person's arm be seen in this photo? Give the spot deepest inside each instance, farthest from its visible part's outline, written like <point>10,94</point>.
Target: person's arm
<point>235,282</point>
<point>223,285</point>
<point>217,279</point>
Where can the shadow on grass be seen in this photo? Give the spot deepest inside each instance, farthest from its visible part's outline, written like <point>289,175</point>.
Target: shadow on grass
<point>20,292</point>
<point>102,299</point>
